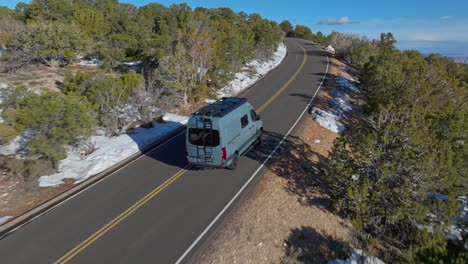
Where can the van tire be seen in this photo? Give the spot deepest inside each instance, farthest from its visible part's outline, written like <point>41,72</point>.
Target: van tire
<point>234,160</point>
<point>259,137</point>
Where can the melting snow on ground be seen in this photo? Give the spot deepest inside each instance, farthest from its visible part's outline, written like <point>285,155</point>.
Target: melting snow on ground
<point>3,219</point>
<point>330,118</point>
<point>346,84</point>
<point>246,78</point>
<point>19,145</point>
<point>91,63</point>
<point>458,227</point>
<point>357,257</point>
<point>110,151</point>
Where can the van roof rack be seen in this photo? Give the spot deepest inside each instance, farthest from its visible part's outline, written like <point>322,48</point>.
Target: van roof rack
<point>222,107</point>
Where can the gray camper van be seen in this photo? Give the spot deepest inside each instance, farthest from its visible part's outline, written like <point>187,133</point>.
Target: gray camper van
<point>218,133</point>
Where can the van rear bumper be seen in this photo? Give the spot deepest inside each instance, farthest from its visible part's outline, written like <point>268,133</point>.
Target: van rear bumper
<point>195,162</point>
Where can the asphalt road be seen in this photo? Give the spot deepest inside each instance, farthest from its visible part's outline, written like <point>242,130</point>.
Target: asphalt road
<point>155,209</point>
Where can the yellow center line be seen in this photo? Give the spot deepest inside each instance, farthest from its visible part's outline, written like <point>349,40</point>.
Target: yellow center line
<point>67,257</point>
<point>76,250</point>
<point>281,90</point>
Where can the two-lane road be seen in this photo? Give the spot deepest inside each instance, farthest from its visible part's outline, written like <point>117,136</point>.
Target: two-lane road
<point>157,209</point>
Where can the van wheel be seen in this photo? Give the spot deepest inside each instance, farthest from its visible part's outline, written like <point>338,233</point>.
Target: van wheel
<point>259,138</point>
<point>233,165</point>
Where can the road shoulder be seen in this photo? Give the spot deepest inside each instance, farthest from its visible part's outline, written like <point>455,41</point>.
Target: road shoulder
<point>287,216</point>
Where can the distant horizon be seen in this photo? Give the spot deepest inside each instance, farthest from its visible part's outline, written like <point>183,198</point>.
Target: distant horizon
<point>429,27</point>
<point>447,49</point>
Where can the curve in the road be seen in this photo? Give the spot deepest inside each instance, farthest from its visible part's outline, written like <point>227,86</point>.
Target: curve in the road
<point>163,230</point>
<point>76,250</point>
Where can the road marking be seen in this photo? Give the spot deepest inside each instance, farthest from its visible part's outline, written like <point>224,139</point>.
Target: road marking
<point>88,187</point>
<point>67,257</point>
<point>83,245</point>
<point>253,175</point>
<point>281,90</point>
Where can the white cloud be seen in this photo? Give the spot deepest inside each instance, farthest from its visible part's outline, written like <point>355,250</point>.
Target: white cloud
<point>341,21</point>
<point>446,17</point>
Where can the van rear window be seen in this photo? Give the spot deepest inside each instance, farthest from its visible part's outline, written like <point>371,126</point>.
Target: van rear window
<point>203,137</point>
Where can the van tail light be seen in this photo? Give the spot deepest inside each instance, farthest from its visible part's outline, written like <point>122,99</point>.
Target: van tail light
<point>223,157</point>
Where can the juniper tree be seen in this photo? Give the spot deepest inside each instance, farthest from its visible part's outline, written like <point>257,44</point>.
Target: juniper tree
<point>387,174</point>
<point>56,120</point>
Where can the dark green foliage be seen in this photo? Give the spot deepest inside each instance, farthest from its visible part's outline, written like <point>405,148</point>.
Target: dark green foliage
<point>320,38</point>
<point>264,31</point>
<point>80,83</point>
<point>303,32</point>
<point>110,96</point>
<point>40,10</point>
<point>55,120</point>
<point>384,173</point>
<point>7,133</point>
<point>186,55</point>
<point>117,32</point>
<point>287,28</point>
<point>387,42</point>
<point>53,43</point>
<point>91,21</point>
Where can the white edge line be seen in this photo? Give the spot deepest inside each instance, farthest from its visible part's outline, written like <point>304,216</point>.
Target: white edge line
<point>253,175</point>
<point>87,187</point>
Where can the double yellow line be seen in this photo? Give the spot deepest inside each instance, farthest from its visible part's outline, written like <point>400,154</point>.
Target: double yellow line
<point>281,90</point>
<point>72,253</point>
<point>76,250</point>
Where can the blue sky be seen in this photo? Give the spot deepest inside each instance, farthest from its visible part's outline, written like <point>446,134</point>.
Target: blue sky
<point>428,26</point>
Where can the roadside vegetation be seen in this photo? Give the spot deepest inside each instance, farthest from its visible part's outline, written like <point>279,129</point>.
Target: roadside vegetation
<point>399,173</point>
<point>184,56</point>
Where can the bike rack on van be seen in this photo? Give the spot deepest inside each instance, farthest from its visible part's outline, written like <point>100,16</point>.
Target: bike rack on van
<point>205,115</point>
<point>206,150</point>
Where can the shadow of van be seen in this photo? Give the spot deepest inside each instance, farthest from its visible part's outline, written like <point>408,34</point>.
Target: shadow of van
<point>169,148</point>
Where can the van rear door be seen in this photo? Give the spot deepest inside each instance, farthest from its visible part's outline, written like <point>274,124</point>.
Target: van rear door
<point>203,146</point>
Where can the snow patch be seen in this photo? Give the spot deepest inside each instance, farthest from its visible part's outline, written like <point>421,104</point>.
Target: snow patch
<point>176,118</point>
<point>19,145</point>
<point>109,151</point>
<point>328,120</point>
<point>91,63</point>
<point>460,223</point>
<point>346,84</point>
<point>254,71</point>
<point>3,219</point>
<point>132,66</point>
<point>341,104</point>
<point>357,257</point>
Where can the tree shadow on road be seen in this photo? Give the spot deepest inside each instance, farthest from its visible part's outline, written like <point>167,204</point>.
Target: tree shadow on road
<point>306,245</point>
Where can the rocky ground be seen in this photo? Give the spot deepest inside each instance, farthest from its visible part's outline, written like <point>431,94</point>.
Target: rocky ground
<point>286,217</point>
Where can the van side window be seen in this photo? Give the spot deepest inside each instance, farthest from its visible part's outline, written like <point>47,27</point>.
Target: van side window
<point>253,115</point>
<point>244,121</point>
